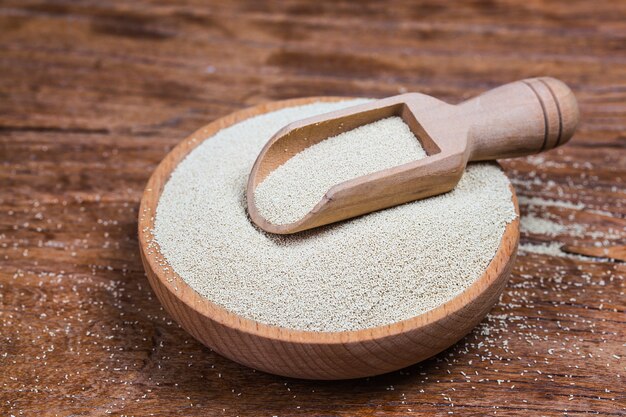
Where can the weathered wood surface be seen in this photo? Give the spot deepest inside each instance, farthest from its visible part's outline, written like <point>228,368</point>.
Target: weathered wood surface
<point>93,95</point>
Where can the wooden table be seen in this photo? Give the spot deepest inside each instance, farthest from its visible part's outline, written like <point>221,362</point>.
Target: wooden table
<point>93,95</point>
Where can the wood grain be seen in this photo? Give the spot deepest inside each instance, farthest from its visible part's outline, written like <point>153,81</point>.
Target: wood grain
<point>95,94</point>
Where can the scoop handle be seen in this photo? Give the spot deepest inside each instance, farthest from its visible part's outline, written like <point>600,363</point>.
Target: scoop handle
<point>521,118</point>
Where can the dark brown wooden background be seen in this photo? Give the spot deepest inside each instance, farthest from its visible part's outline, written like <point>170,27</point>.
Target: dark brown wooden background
<point>93,94</point>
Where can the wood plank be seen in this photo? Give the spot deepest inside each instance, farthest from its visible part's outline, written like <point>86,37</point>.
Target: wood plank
<point>94,94</point>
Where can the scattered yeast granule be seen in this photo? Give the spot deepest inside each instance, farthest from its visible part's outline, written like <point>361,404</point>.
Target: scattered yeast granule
<point>292,190</point>
<point>370,271</point>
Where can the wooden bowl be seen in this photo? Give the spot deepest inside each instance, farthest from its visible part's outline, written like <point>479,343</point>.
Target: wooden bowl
<point>306,354</point>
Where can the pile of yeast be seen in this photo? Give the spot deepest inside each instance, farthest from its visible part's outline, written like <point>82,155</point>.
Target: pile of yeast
<point>369,271</point>
<point>293,189</point>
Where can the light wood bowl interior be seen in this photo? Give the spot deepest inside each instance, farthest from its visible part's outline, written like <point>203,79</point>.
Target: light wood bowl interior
<point>305,354</point>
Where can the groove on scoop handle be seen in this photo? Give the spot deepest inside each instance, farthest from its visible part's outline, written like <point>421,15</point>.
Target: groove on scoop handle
<point>521,118</point>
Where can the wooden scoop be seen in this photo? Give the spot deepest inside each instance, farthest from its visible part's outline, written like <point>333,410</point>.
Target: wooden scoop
<point>517,119</point>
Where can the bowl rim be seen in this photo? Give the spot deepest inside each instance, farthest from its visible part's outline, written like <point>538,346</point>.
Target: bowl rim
<point>182,292</point>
